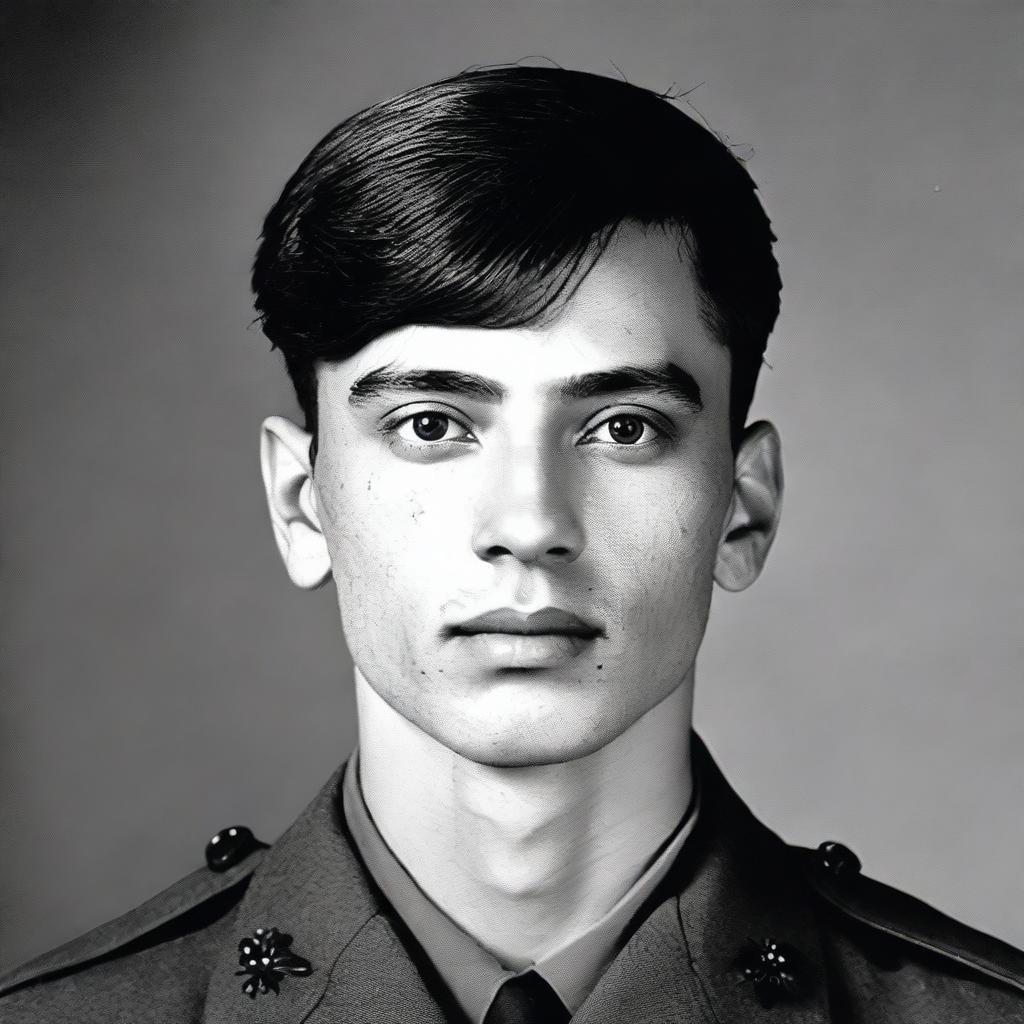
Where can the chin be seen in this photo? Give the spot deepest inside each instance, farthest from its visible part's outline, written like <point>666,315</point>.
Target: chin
<point>520,756</point>
<point>524,747</point>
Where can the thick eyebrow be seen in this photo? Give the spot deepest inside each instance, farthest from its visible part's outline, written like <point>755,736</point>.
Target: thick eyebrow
<point>384,380</point>
<point>666,378</point>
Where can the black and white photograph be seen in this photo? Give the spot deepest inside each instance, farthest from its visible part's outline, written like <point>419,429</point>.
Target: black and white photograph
<point>512,512</point>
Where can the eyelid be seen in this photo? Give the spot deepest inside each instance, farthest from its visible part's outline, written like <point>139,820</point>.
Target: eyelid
<point>404,412</point>
<point>390,424</point>
<point>652,417</point>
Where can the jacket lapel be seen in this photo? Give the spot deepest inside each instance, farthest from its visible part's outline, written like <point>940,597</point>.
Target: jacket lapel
<point>312,886</point>
<point>732,883</point>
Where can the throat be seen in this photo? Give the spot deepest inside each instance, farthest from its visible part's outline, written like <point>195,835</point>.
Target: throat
<point>524,858</point>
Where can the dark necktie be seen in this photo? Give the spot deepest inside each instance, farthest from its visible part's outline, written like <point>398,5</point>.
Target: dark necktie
<point>526,999</point>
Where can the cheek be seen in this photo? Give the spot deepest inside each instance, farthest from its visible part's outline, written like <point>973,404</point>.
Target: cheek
<point>388,540</point>
<point>355,525</point>
<point>661,545</point>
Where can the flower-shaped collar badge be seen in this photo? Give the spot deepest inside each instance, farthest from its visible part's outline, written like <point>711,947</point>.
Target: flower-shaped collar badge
<point>267,957</point>
<point>777,971</point>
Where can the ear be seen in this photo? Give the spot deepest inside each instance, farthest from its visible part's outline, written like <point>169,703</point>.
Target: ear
<point>291,499</point>
<point>754,510</point>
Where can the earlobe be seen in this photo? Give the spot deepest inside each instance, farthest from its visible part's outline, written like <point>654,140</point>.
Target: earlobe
<point>291,501</point>
<point>754,509</point>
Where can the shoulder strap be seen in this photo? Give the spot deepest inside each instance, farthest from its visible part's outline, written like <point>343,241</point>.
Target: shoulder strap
<point>888,910</point>
<point>177,910</point>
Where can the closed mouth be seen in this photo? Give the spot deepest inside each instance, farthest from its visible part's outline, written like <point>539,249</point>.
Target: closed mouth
<point>546,622</point>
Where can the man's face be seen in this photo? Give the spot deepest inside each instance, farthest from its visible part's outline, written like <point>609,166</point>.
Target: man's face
<point>516,477</point>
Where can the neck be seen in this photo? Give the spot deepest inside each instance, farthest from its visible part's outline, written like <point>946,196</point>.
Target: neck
<point>523,858</point>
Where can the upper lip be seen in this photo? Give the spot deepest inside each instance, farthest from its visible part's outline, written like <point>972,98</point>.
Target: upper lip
<point>547,620</point>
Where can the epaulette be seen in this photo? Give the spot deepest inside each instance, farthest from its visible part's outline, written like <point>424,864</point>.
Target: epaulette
<point>191,903</point>
<point>833,871</point>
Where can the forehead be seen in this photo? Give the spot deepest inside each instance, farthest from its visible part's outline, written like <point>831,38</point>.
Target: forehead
<point>639,303</point>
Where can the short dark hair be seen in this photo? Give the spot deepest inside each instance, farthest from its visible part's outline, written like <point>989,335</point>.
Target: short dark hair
<point>475,200</point>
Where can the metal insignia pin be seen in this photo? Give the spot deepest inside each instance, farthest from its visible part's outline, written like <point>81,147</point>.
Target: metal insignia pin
<point>775,969</point>
<point>266,957</point>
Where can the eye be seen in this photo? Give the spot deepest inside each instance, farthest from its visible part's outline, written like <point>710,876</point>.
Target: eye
<point>431,426</point>
<point>623,429</point>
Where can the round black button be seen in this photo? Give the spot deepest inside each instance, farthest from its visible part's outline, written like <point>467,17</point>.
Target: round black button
<point>229,846</point>
<point>837,859</point>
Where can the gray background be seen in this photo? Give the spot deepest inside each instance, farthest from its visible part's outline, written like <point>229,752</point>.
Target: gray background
<point>162,679</point>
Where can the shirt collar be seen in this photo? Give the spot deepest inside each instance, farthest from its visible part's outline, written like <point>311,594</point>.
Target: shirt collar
<point>473,973</point>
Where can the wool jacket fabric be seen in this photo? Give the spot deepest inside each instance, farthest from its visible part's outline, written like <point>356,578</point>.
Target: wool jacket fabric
<point>704,947</point>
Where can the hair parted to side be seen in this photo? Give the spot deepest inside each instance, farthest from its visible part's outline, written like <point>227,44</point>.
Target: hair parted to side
<point>475,201</point>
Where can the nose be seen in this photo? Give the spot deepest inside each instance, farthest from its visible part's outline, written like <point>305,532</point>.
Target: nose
<point>528,512</point>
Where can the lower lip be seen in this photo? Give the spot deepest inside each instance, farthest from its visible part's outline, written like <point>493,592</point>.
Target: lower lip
<point>515,650</point>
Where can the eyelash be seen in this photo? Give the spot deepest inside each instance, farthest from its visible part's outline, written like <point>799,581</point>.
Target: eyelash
<point>392,428</point>
<point>420,442</point>
<point>660,435</point>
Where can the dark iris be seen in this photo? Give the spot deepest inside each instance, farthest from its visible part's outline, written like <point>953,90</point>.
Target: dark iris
<point>430,426</point>
<point>625,429</point>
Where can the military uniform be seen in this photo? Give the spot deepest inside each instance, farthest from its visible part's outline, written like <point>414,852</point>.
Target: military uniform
<point>743,928</point>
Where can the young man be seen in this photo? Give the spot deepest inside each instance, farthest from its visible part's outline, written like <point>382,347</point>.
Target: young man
<point>524,311</point>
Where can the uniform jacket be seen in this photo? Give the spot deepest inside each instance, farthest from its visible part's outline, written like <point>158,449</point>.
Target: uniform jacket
<point>705,946</point>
